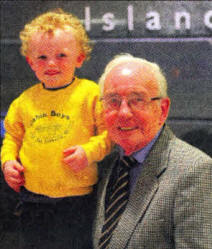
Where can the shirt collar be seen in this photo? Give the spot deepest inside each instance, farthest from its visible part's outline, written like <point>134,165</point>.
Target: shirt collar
<point>58,88</point>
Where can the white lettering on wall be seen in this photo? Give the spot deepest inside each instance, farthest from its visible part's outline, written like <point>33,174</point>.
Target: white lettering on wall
<point>87,19</point>
<point>182,17</point>
<point>208,19</point>
<point>130,17</point>
<point>153,22</point>
<point>178,20</point>
<point>108,19</point>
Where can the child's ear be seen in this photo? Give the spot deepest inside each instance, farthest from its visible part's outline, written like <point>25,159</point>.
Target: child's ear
<point>80,60</point>
<point>29,61</point>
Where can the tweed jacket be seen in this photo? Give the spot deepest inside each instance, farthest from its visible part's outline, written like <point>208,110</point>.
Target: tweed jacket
<point>171,205</point>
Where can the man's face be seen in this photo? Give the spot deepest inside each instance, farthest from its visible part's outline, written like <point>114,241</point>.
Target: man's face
<point>131,124</point>
<point>54,57</point>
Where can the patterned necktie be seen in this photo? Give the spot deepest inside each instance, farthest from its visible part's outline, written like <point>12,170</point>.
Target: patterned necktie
<point>117,201</point>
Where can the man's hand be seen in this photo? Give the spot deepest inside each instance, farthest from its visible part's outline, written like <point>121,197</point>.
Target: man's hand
<point>13,174</point>
<point>76,158</point>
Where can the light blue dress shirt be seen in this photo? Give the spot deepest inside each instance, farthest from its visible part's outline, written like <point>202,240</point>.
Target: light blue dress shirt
<point>140,156</point>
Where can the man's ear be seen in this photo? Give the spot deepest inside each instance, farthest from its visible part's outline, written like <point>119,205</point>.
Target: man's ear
<point>80,60</point>
<point>165,105</point>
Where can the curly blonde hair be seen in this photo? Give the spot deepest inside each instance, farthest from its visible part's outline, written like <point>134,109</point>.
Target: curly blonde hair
<point>52,20</point>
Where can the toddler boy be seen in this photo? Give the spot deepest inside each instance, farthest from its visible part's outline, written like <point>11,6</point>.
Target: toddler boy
<point>55,135</point>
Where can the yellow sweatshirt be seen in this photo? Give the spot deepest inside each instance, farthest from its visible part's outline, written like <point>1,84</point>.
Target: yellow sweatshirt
<point>41,123</point>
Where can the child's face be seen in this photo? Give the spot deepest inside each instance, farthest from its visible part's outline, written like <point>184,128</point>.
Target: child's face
<point>54,57</point>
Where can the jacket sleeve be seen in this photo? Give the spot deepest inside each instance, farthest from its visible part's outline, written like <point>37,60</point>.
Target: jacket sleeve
<point>98,145</point>
<point>193,207</point>
<point>14,132</point>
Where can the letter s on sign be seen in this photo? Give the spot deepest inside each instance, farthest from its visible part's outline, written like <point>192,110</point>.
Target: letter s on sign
<point>107,17</point>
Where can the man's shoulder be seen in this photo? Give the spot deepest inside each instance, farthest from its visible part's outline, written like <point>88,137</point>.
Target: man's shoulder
<point>188,152</point>
<point>181,147</point>
<point>186,160</point>
<point>177,155</point>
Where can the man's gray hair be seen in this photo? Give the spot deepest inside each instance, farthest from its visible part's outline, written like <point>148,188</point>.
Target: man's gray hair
<point>119,59</point>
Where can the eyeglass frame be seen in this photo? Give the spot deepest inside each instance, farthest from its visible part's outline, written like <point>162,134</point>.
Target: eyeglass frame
<point>151,99</point>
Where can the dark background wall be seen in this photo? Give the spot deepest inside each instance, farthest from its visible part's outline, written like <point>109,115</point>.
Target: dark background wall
<point>148,29</point>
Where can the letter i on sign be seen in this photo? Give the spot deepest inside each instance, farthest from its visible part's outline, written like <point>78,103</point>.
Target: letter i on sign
<point>130,17</point>
<point>87,18</point>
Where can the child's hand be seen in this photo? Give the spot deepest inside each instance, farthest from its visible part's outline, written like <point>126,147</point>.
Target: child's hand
<point>76,158</point>
<point>13,174</point>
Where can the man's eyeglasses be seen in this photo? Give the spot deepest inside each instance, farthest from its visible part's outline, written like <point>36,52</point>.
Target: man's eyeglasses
<point>135,102</point>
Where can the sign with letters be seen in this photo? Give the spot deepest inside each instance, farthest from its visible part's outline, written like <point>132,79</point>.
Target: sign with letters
<point>148,18</point>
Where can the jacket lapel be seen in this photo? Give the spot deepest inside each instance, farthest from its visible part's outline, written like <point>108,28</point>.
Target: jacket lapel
<point>108,164</point>
<point>136,207</point>
<point>145,189</point>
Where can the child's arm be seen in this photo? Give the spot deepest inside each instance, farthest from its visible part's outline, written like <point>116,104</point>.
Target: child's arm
<point>78,157</point>
<point>14,132</point>
<point>13,174</point>
<point>99,145</point>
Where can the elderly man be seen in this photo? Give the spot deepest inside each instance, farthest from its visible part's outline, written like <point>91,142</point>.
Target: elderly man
<point>155,190</point>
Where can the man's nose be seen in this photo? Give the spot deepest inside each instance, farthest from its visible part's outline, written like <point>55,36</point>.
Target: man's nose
<point>125,110</point>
